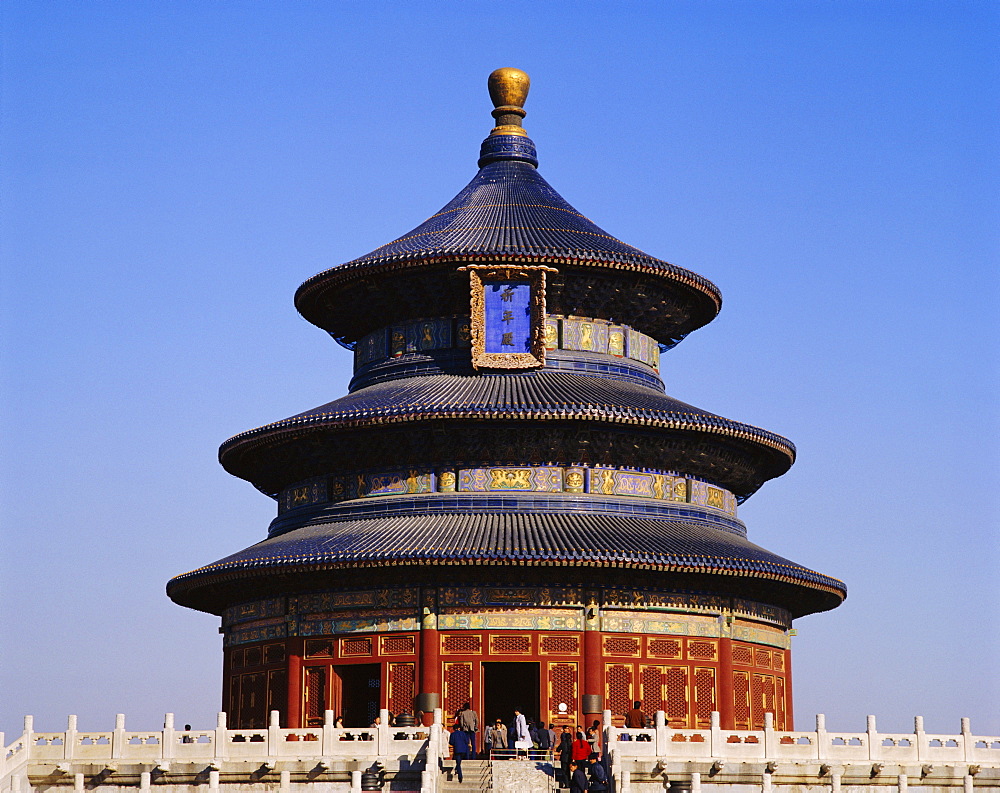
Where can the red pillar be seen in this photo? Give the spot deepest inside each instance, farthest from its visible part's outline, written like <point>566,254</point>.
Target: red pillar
<point>593,677</point>
<point>429,697</point>
<point>724,700</point>
<point>293,718</point>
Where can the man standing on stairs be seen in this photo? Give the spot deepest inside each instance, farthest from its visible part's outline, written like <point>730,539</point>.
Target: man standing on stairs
<point>468,722</point>
<point>578,782</point>
<point>460,746</point>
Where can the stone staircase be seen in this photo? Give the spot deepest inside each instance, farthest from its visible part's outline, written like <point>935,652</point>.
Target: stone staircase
<point>477,777</point>
<point>504,776</point>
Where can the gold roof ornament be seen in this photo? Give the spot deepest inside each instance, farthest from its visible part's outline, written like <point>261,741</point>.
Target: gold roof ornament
<point>508,90</point>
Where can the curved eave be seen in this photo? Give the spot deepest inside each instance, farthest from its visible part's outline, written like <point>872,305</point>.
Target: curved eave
<point>310,296</point>
<point>633,544</point>
<point>298,425</point>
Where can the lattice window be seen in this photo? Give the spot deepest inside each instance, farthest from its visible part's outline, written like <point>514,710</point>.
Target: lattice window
<point>741,700</point>
<point>253,656</point>
<point>457,686</point>
<point>274,654</point>
<point>356,646</point>
<point>253,700</point>
<point>701,651</point>
<point>401,681</point>
<point>762,697</point>
<point>397,645</point>
<point>619,683</point>
<point>461,644</point>
<point>704,696</point>
<point>664,648</point>
<point>621,645</point>
<point>233,704</point>
<point>676,700</point>
<point>742,654</point>
<point>780,714</point>
<point>319,648</point>
<point>559,645</point>
<point>651,689</point>
<point>762,658</point>
<point>506,644</point>
<point>315,695</point>
<point>778,661</point>
<point>277,691</point>
<point>562,688</point>
<point>236,659</point>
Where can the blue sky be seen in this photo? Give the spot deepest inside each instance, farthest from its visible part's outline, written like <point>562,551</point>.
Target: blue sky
<point>172,172</point>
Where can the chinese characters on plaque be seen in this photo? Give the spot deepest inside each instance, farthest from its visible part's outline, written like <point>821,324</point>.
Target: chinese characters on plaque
<point>507,316</point>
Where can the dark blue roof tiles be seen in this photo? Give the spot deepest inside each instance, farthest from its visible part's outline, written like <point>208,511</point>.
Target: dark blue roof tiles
<point>543,394</point>
<point>683,546</point>
<point>509,209</point>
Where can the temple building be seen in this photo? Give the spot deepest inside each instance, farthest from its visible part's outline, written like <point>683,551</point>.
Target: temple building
<point>506,508</point>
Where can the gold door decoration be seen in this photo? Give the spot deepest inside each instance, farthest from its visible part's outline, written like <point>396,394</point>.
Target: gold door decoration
<point>481,276</point>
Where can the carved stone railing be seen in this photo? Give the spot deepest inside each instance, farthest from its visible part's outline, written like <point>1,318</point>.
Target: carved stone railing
<point>772,750</point>
<point>820,745</point>
<point>214,747</point>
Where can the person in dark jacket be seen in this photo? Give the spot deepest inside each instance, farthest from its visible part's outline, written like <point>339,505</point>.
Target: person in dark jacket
<point>598,774</point>
<point>578,780</point>
<point>565,751</point>
<point>461,748</point>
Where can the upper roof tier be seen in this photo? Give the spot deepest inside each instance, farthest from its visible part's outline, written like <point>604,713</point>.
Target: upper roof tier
<point>508,212</point>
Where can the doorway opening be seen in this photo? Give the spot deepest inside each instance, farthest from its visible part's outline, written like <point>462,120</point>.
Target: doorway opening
<point>508,685</point>
<point>360,693</point>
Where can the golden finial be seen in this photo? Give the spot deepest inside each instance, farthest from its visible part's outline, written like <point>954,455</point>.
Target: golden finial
<point>508,90</point>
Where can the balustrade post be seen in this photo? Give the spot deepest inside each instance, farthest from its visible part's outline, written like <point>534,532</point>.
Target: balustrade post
<point>69,742</point>
<point>874,750</point>
<point>145,778</point>
<point>626,782</point>
<point>78,783</point>
<point>901,783</point>
<point>765,782</point>
<point>29,729</point>
<point>221,737</point>
<point>770,739</point>
<point>822,739</point>
<point>285,781</point>
<point>835,783</point>
<point>328,737</point>
<point>118,737</point>
<point>966,739</point>
<point>967,783</point>
<point>213,779</point>
<point>918,729</point>
<point>695,782</point>
<point>273,733</point>
<point>660,722</point>
<point>355,782</point>
<point>382,736</point>
<point>167,747</point>
<point>715,726</point>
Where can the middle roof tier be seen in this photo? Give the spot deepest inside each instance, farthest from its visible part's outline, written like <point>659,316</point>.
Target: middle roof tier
<point>546,416</point>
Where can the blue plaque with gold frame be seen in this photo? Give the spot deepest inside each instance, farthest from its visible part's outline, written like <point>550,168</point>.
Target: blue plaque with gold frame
<point>507,321</point>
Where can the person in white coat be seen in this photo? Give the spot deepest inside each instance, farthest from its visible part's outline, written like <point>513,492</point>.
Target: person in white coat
<point>521,728</point>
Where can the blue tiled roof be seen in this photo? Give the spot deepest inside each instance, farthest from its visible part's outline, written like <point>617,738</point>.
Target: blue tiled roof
<point>508,208</point>
<point>540,394</point>
<point>530,538</point>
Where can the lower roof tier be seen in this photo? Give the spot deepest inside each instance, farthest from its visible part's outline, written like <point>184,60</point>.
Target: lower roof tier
<point>544,416</point>
<point>687,550</point>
